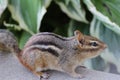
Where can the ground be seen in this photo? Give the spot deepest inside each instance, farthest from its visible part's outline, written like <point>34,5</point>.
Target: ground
<point>11,69</point>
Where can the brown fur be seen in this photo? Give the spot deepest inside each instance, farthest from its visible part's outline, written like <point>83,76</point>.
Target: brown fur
<point>68,59</point>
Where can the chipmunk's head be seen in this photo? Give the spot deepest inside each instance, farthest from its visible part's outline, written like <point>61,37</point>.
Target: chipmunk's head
<point>89,46</point>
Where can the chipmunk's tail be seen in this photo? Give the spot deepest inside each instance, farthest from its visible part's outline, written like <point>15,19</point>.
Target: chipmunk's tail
<point>8,42</point>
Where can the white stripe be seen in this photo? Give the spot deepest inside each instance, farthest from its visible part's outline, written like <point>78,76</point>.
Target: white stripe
<point>44,47</point>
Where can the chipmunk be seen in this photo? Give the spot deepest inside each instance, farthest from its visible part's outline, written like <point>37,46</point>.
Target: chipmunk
<point>45,50</point>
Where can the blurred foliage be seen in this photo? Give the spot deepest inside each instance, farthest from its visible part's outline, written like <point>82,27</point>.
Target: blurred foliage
<point>99,18</point>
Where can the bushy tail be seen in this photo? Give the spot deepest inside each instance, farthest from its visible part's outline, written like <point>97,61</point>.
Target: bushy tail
<point>8,42</point>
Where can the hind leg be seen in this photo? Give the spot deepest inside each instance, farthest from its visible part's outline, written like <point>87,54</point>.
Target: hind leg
<point>40,67</point>
<point>39,71</point>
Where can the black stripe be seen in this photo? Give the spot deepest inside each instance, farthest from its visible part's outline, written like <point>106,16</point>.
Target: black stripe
<point>53,52</point>
<point>52,34</point>
<point>46,43</point>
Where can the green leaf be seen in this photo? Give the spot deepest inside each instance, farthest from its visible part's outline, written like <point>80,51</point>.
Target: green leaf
<point>111,54</point>
<point>73,9</point>
<point>46,3</point>
<point>96,63</point>
<point>28,13</point>
<point>110,8</point>
<point>3,5</point>
<point>23,39</point>
<point>61,31</point>
<point>75,25</point>
<point>16,27</point>
<point>114,26</point>
<point>99,63</point>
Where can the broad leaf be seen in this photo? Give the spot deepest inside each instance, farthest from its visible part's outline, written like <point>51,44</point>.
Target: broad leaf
<point>3,5</point>
<point>106,20</point>
<point>46,3</point>
<point>24,38</point>
<point>75,25</point>
<point>110,8</point>
<point>73,9</point>
<point>28,13</point>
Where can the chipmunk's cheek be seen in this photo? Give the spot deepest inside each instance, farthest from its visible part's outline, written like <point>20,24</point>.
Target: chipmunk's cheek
<point>93,55</point>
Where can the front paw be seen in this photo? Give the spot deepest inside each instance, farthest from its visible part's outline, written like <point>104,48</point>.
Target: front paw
<point>82,66</point>
<point>44,76</point>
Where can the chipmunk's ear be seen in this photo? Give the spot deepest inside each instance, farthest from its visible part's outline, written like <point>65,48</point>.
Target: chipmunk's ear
<point>80,38</point>
<point>79,35</point>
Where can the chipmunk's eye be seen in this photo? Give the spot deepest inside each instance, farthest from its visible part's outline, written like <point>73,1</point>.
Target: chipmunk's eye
<point>94,44</point>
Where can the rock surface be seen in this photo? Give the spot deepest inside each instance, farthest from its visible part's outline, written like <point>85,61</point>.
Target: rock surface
<point>11,69</point>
